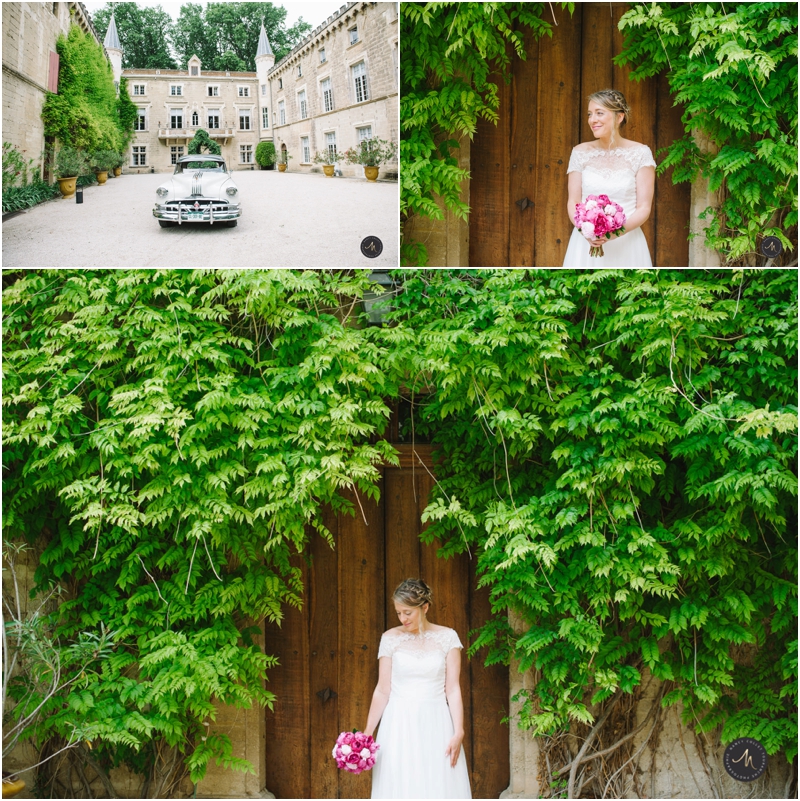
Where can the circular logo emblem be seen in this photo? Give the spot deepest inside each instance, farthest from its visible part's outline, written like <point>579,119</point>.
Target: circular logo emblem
<point>771,247</point>
<point>745,759</point>
<point>371,247</point>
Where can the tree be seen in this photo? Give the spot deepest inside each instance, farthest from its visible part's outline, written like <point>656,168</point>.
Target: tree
<point>224,36</point>
<point>203,143</point>
<point>144,33</point>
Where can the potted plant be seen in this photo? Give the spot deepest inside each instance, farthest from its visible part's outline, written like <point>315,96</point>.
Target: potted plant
<point>70,163</point>
<point>119,160</point>
<point>102,162</point>
<point>370,154</point>
<point>265,155</point>
<point>283,160</point>
<point>327,161</point>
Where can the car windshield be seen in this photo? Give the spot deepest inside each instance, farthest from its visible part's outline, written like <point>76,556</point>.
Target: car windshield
<point>200,164</point>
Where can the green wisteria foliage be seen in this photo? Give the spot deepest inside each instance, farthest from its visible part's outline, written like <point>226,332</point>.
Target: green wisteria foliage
<point>734,70</point>
<point>616,449</point>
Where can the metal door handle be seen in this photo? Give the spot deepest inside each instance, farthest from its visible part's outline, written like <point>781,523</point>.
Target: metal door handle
<point>524,203</point>
<point>326,694</point>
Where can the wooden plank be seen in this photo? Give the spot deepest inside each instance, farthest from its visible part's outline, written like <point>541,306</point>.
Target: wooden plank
<point>641,97</point>
<point>361,620</point>
<point>402,532</point>
<point>596,54</point>
<point>489,165</point>
<point>288,728</point>
<point>322,612</point>
<point>672,203</point>
<point>491,772</point>
<point>522,178</point>
<point>559,109</point>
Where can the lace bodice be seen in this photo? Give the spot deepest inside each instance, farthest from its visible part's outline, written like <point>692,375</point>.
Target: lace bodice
<point>418,662</point>
<point>611,172</point>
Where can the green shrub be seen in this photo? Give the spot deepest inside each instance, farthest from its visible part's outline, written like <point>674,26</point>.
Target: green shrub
<point>203,143</point>
<point>265,154</point>
<point>71,162</point>
<point>16,167</point>
<point>16,198</point>
<point>104,160</point>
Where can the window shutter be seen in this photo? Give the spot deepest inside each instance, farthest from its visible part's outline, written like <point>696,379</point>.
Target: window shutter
<point>52,78</point>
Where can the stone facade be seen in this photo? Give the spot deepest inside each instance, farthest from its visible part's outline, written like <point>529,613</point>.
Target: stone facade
<point>174,104</point>
<point>338,86</point>
<point>30,31</point>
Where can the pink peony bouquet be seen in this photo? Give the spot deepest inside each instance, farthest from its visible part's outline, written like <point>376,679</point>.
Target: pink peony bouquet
<point>355,751</point>
<point>599,217</point>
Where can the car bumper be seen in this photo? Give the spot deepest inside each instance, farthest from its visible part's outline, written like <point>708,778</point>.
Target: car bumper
<point>188,214</point>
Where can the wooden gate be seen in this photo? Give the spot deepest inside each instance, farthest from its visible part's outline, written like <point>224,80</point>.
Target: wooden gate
<point>329,651</point>
<point>518,191</point>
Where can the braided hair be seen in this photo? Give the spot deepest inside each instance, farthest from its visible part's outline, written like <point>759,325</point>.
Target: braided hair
<point>613,101</point>
<point>413,592</point>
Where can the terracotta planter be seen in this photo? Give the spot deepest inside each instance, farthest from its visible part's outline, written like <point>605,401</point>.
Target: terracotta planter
<point>282,167</point>
<point>117,172</point>
<point>102,177</point>
<point>67,186</point>
<point>371,173</point>
<point>12,787</point>
<point>328,170</point>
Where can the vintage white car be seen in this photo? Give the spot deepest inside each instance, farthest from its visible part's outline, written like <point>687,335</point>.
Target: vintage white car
<point>200,190</point>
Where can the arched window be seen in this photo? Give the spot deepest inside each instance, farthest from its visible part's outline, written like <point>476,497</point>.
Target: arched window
<point>195,119</point>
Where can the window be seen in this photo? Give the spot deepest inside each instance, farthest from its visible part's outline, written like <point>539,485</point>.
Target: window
<point>213,118</point>
<point>246,154</point>
<point>139,156</point>
<point>303,106</point>
<point>244,91</point>
<point>213,91</point>
<point>353,35</point>
<point>264,118</point>
<point>195,119</point>
<point>364,133</point>
<point>194,70</point>
<point>280,83</point>
<point>263,90</point>
<point>176,118</point>
<point>281,113</point>
<point>140,123</point>
<point>327,95</point>
<point>322,55</point>
<point>244,120</point>
<point>175,152</point>
<point>299,70</point>
<point>304,146</point>
<point>138,89</point>
<point>330,143</point>
<point>360,82</point>
<point>175,89</point>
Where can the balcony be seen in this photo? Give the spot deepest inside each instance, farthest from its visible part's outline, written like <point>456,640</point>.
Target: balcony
<point>221,135</point>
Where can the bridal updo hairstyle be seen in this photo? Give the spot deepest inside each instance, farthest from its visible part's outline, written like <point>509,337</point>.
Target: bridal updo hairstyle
<point>413,593</point>
<point>613,101</point>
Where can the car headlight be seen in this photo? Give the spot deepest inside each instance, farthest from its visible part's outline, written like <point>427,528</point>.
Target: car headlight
<point>162,192</point>
<point>232,191</point>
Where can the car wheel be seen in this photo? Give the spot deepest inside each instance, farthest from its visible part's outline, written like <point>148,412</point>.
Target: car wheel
<point>166,223</point>
<point>232,223</point>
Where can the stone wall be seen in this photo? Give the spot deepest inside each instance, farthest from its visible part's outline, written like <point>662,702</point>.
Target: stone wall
<point>303,70</point>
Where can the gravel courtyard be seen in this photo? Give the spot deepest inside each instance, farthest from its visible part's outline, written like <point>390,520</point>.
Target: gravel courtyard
<point>288,220</point>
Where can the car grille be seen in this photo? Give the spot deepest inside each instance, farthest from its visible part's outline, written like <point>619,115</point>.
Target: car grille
<point>197,204</point>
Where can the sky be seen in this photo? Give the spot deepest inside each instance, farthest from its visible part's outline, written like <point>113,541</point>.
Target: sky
<point>312,11</point>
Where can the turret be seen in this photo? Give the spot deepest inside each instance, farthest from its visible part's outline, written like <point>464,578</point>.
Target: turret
<point>114,50</point>
<point>265,58</point>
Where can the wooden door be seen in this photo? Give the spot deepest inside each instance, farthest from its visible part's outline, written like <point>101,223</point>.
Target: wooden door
<point>329,650</point>
<point>518,190</point>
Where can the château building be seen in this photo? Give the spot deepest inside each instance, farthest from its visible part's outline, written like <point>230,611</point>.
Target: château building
<point>337,87</point>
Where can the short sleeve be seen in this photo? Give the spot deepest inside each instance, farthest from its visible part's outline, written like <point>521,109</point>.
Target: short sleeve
<point>576,161</point>
<point>645,158</point>
<point>453,641</point>
<point>387,646</point>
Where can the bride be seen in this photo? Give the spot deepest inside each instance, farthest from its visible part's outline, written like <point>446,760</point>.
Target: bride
<point>617,167</point>
<point>418,703</point>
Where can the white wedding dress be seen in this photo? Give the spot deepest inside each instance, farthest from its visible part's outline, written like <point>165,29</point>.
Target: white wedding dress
<point>612,173</point>
<point>416,725</point>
